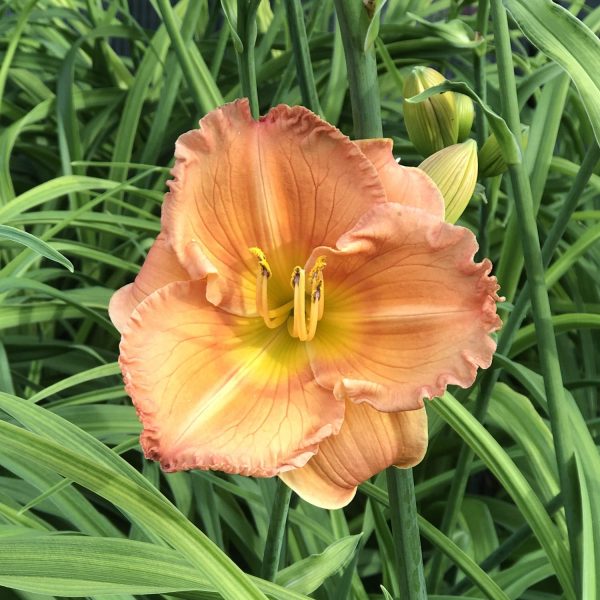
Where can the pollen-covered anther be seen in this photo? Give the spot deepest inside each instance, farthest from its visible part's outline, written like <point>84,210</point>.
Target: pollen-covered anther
<point>318,285</point>
<point>272,318</point>
<point>262,261</point>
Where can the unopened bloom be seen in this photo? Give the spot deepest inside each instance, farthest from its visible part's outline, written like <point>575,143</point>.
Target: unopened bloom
<point>465,112</point>
<point>454,171</point>
<point>302,299</point>
<point>433,123</point>
<point>491,161</point>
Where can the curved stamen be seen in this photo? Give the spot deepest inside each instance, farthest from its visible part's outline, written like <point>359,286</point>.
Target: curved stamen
<point>302,329</point>
<point>275,317</point>
<point>299,284</point>
<point>318,283</point>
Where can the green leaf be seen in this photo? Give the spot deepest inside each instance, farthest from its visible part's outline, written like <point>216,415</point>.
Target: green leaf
<point>71,566</point>
<point>525,337</point>
<point>567,41</point>
<point>386,594</point>
<point>42,248</point>
<point>68,565</point>
<point>308,574</point>
<point>373,28</point>
<point>515,414</point>
<point>109,370</point>
<point>513,481</point>
<point>589,548</point>
<point>455,31</point>
<point>90,464</point>
<point>230,13</point>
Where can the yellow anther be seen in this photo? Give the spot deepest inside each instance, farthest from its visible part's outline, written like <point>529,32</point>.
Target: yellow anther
<point>262,260</point>
<point>317,271</point>
<point>318,285</point>
<point>295,279</point>
<point>272,318</point>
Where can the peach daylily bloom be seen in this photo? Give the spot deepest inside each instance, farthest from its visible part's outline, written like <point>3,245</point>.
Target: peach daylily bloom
<point>302,299</point>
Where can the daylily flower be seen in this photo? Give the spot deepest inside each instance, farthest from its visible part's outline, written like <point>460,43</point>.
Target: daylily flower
<point>302,299</point>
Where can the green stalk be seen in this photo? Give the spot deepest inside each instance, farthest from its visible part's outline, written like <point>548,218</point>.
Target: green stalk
<point>364,95</point>
<point>483,13</point>
<point>306,79</point>
<point>362,68</point>
<point>247,31</point>
<point>276,532</point>
<point>534,267</point>
<point>405,529</point>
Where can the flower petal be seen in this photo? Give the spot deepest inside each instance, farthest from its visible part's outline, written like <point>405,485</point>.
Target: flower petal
<point>407,311</point>
<point>160,268</point>
<point>218,391</point>
<point>368,442</point>
<point>285,183</point>
<point>405,185</point>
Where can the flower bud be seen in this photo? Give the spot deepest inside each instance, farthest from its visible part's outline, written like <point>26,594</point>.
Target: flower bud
<point>431,124</point>
<point>454,171</point>
<point>465,113</point>
<point>491,161</point>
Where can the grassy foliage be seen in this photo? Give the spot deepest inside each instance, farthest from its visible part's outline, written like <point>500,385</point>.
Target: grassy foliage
<point>81,130</point>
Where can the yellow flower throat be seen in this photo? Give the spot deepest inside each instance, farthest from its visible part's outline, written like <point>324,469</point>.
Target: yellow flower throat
<point>299,325</point>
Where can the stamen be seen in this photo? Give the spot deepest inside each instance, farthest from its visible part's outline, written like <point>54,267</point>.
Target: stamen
<point>302,329</point>
<point>272,318</point>
<point>314,312</point>
<point>318,283</point>
<point>321,300</point>
<point>299,284</point>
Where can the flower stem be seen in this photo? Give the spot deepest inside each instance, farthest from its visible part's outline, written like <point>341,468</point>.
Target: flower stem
<point>405,532</point>
<point>246,29</point>
<point>483,12</point>
<point>274,542</point>
<point>306,79</point>
<point>534,267</point>
<point>362,68</point>
<point>364,95</point>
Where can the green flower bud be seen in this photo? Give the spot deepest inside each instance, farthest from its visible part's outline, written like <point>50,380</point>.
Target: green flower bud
<point>465,113</point>
<point>431,124</point>
<point>491,161</point>
<point>454,171</point>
